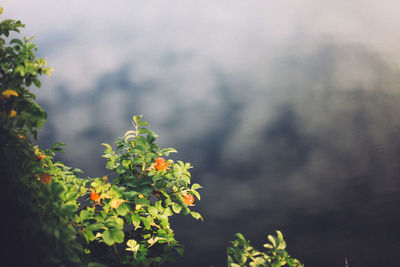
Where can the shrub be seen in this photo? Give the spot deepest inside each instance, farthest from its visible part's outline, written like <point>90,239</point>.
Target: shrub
<point>55,217</point>
<point>134,206</point>
<point>241,253</point>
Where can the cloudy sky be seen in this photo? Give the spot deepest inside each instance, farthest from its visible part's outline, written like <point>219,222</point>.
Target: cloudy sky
<point>287,109</point>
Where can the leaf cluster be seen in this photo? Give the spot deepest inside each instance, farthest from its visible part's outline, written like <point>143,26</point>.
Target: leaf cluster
<point>19,69</point>
<point>134,206</point>
<point>56,218</point>
<point>241,253</point>
<point>40,203</point>
<point>59,218</point>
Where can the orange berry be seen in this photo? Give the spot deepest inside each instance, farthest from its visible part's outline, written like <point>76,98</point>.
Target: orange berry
<point>94,196</point>
<point>188,199</point>
<point>160,164</point>
<point>41,157</point>
<point>46,178</point>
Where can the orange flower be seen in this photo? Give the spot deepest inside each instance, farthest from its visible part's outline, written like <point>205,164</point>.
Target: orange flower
<point>46,178</point>
<point>94,196</point>
<point>188,199</point>
<point>41,157</point>
<point>13,113</point>
<point>8,93</point>
<point>160,164</point>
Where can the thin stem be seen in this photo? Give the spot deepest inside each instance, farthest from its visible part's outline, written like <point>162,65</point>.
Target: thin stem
<point>116,252</point>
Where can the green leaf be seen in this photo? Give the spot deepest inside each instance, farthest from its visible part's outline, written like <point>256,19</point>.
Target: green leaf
<point>274,241</point>
<point>151,137</point>
<point>123,209</point>
<point>131,132</point>
<point>141,123</point>
<point>113,236</point>
<point>138,161</point>
<point>176,208</point>
<point>37,83</point>
<point>111,165</point>
<point>89,236</point>
<point>130,195</point>
<point>153,211</point>
<point>146,223</point>
<point>107,146</point>
<point>129,137</point>
<point>143,131</point>
<point>136,119</point>
<point>196,215</point>
<point>84,215</point>
<point>259,261</point>
<point>70,196</point>
<point>56,146</point>
<point>269,246</point>
<point>132,183</point>
<point>126,163</point>
<point>153,240</point>
<point>114,222</point>
<point>163,220</point>
<point>166,151</point>
<point>196,194</point>
<point>132,245</point>
<point>142,201</point>
<point>240,236</point>
<point>196,186</point>
<point>17,42</point>
<point>21,70</point>
<point>95,227</point>
<point>136,220</point>
<point>159,206</point>
<point>168,211</point>
<point>185,178</point>
<point>180,251</point>
<point>141,141</point>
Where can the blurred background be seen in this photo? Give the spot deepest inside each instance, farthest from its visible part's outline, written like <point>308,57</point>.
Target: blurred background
<point>289,111</point>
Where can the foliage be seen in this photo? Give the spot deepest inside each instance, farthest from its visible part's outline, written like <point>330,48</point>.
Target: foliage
<point>243,254</point>
<point>134,206</point>
<point>55,217</point>
<point>19,69</point>
<point>38,206</point>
